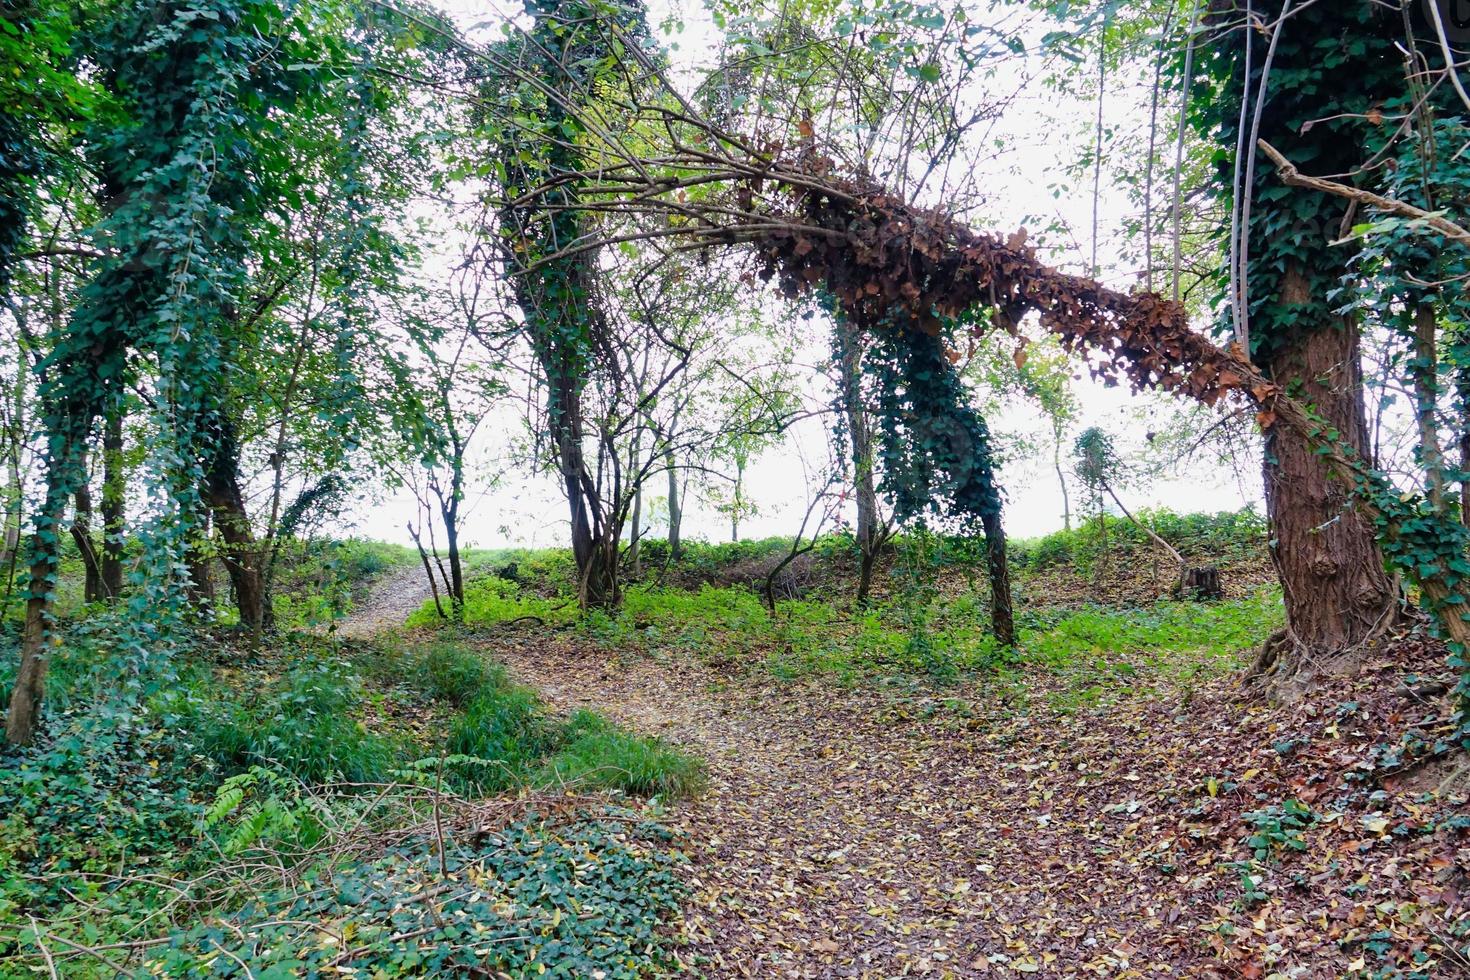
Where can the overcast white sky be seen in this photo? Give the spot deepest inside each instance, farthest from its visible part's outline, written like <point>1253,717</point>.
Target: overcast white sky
<point>1044,133</point>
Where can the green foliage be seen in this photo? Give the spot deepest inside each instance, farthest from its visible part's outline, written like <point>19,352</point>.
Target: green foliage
<point>304,724</point>
<point>585,900</point>
<point>934,448</point>
<point>1221,629</point>
<point>492,599</point>
<point>1329,64</point>
<point>1228,535</point>
<point>599,755</point>
<point>229,764</point>
<point>1278,828</point>
<point>263,805</point>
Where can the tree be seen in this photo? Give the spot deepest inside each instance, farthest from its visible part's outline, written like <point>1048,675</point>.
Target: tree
<point>1263,75</point>
<point>871,530</point>
<point>187,86</point>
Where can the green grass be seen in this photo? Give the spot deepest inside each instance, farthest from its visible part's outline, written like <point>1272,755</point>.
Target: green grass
<point>599,755</point>
<point>305,724</point>
<point>940,636</point>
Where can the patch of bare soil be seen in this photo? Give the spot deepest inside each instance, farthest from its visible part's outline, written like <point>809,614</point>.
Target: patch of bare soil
<point>891,831</point>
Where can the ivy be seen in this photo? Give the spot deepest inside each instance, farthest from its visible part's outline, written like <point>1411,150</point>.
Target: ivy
<point>934,448</point>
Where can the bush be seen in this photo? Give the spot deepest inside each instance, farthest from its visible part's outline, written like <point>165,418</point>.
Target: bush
<point>491,599</point>
<point>117,779</point>
<point>1209,538</point>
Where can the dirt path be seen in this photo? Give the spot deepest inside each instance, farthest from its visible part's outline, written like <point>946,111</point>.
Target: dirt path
<point>846,834</point>
<point>388,603</point>
<point>892,830</point>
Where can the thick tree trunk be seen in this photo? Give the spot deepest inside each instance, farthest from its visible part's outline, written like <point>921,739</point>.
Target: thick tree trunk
<point>597,577</point>
<point>113,503</point>
<point>1337,593</point>
<point>30,679</point>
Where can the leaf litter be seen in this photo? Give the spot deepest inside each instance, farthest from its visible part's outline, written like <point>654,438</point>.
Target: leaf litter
<point>892,829</point>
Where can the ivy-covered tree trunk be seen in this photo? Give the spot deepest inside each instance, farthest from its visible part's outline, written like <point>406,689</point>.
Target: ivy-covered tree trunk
<point>1336,592</point>
<point>81,533</point>
<point>69,419</point>
<point>1328,63</point>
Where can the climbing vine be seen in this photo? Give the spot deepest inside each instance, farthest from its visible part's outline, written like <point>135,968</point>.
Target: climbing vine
<point>182,198</point>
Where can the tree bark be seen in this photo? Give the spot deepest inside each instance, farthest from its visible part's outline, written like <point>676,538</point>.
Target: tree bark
<point>74,416</point>
<point>114,489</point>
<point>676,516</point>
<point>200,589</point>
<point>450,513</point>
<point>428,570</point>
<point>14,482</point>
<point>1336,591</point>
<point>241,554</point>
<point>869,531</point>
<point>737,500</point>
<point>1002,615</point>
<point>1056,462</point>
<point>81,533</point>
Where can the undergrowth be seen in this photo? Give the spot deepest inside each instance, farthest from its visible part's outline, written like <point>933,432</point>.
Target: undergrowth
<point>230,781</point>
<point>922,631</point>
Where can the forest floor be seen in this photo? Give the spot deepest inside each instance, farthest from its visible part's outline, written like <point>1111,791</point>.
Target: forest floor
<point>897,828</point>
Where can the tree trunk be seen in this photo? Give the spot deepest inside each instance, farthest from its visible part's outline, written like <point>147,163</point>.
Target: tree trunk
<point>14,481</point>
<point>868,531</point>
<point>241,554</point>
<point>428,570</point>
<point>597,580</point>
<point>1056,462</point>
<point>81,533</point>
<point>1336,591</point>
<point>456,566</point>
<point>75,415</point>
<point>1464,389</point>
<point>1200,583</point>
<point>114,489</point>
<point>676,549</point>
<point>1002,616</point>
<point>200,589</point>
<point>737,500</point>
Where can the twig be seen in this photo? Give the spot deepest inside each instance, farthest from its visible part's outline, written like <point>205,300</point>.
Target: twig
<point>45,952</point>
<point>1287,171</point>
